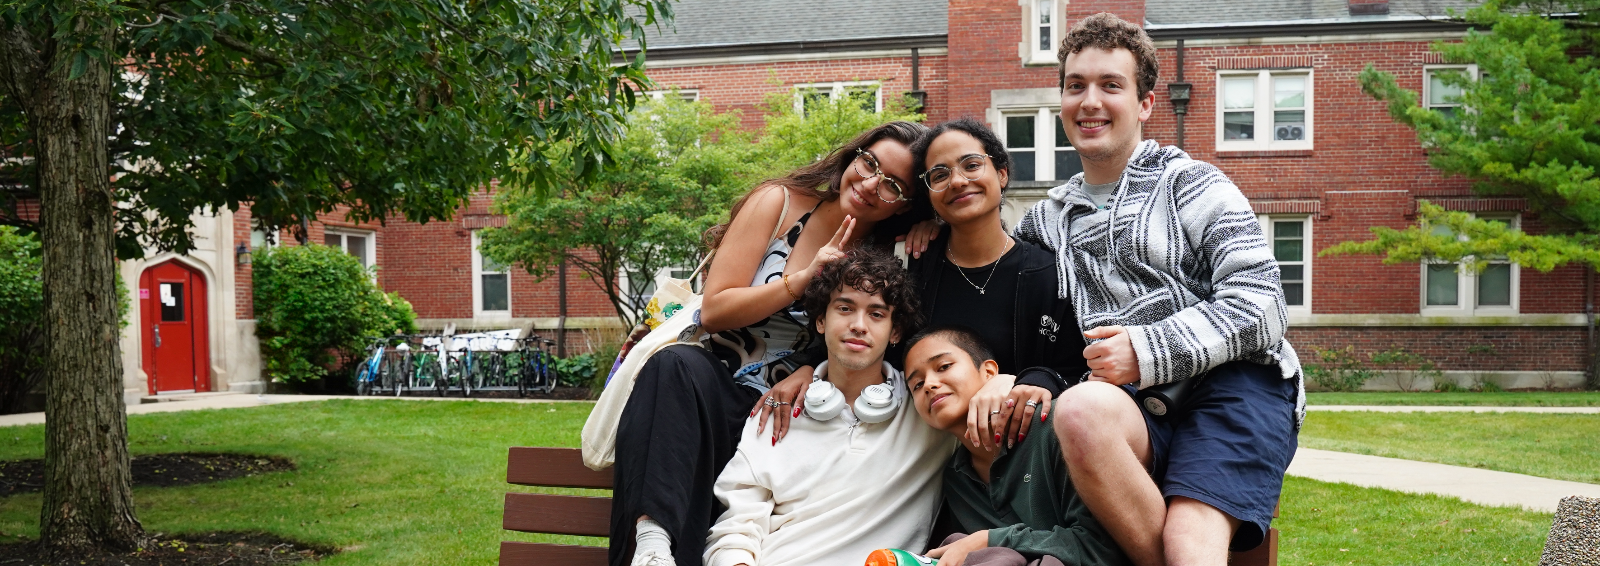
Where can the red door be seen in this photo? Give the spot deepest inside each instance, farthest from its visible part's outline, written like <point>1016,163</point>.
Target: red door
<point>172,303</point>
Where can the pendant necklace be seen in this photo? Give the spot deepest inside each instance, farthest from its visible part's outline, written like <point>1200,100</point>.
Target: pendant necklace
<point>996,264</point>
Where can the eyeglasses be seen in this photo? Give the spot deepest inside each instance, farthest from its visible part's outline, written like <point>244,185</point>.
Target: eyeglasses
<point>939,177</point>
<point>889,190</point>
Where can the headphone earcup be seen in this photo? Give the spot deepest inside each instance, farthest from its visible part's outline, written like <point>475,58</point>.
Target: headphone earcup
<point>824,401</point>
<point>876,403</point>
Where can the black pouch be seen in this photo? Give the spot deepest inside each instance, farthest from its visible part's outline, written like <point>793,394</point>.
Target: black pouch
<point>1168,401</point>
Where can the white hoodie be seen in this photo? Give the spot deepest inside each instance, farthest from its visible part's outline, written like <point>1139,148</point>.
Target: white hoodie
<point>832,492</point>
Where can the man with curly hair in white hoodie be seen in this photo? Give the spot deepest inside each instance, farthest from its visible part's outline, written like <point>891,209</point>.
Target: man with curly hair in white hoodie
<point>860,471</point>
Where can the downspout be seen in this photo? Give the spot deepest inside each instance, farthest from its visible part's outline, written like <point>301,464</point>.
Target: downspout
<point>1180,117</point>
<point>561,324</point>
<point>1588,318</point>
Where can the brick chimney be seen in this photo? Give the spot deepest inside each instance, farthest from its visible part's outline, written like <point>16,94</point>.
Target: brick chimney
<point>1369,7</point>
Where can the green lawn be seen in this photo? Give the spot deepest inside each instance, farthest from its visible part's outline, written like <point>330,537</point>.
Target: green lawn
<point>1504,399</point>
<point>421,483</point>
<point>1558,446</point>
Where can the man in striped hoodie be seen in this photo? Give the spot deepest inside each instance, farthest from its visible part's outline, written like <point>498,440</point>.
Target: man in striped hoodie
<point>1173,280</point>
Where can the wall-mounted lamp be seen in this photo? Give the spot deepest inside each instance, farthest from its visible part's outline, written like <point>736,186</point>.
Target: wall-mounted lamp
<point>1180,97</point>
<point>241,254</point>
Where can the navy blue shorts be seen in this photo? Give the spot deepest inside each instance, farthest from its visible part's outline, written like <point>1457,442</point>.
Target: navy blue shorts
<point>1230,448</point>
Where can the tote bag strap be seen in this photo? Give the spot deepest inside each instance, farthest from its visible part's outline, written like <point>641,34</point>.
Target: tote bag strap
<point>776,229</point>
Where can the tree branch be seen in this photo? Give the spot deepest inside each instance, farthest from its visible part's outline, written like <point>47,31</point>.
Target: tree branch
<point>20,63</point>
<point>255,53</point>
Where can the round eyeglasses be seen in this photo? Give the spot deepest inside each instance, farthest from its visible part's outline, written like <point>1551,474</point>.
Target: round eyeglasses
<point>970,168</point>
<point>889,190</point>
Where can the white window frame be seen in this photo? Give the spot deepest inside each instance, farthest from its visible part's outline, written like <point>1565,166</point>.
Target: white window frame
<point>1268,229</point>
<point>477,283</point>
<point>344,246</point>
<point>690,95</point>
<point>1427,83</point>
<point>1045,122</point>
<point>835,90</point>
<point>268,240</point>
<point>1467,284</point>
<point>1264,111</point>
<point>1032,26</point>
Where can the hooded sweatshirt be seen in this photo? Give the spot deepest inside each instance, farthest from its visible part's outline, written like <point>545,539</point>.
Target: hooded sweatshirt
<point>1179,259</point>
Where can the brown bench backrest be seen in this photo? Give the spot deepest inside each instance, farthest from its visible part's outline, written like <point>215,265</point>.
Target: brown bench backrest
<point>554,514</point>
<point>591,516</point>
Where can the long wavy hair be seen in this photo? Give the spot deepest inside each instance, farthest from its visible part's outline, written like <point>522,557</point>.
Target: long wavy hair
<point>822,179</point>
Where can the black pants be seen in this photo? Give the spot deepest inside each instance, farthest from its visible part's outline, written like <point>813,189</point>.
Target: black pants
<point>678,430</point>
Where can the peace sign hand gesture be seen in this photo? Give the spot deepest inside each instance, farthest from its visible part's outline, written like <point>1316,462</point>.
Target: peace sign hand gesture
<point>834,249</point>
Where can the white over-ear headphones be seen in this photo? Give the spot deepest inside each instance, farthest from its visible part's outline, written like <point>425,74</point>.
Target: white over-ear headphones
<point>875,404</point>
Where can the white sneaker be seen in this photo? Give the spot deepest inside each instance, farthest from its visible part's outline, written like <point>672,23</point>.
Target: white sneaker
<point>653,558</point>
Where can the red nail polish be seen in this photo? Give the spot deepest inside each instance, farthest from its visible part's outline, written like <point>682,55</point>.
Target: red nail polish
<point>996,439</point>
<point>797,413</point>
<point>1021,437</point>
<point>1043,416</point>
<point>774,441</point>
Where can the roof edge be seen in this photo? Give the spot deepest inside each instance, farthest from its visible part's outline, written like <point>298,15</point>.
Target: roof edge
<point>779,48</point>
<point>1329,26</point>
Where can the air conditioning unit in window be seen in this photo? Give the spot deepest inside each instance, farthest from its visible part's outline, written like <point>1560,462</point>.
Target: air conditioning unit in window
<point>1290,131</point>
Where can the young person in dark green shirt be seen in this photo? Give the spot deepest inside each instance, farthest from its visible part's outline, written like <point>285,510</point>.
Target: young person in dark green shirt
<point>1017,502</point>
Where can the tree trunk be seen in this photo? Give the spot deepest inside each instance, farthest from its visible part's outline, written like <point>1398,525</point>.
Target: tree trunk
<point>88,494</point>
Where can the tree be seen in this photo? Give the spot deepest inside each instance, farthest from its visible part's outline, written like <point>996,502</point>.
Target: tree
<point>678,170</point>
<point>316,307</point>
<point>1532,130</point>
<point>124,117</point>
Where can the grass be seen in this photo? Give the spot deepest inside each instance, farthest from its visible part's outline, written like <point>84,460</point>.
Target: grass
<point>1557,446</point>
<point>1504,399</point>
<point>421,483</point>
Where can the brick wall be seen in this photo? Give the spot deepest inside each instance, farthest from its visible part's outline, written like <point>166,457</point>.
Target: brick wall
<point>1484,348</point>
<point>745,87</point>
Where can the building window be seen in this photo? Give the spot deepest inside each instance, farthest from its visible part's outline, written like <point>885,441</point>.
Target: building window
<point>359,244</point>
<point>260,239</point>
<point>686,95</point>
<point>1264,110</point>
<point>1042,27</point>
<point>491,283</point>
<point>1449,289</point>
<point>868,94</point>
<point>1290,238</point>
<point>1039,148</point>
<point>1439,96</point>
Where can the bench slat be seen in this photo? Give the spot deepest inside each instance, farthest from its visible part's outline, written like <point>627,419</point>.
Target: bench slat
<point>531,554</point>
<point>558,514</point>
<point>553,467</point>
<point>1264,555</point>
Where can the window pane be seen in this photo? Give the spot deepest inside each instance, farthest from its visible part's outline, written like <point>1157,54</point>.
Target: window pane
<point>866,96</point>
<point>490,265</point>
<point>1442,288</point>
<point>1068,164</point>
<point>1044,11</point>
<point>1288,92</point>
<point>1022,165</point>
<point>1448,111</point>
<point>258,239</point>
<point>495,295</point>
<point>1019,132</point>
<point>334,240</point>
<point>1440,93</point>
<point>1289,229</point>
<point>1239,93</point>
<point>1494,285</point>
<point>1061,133</point>
<point>171,302</point>
<point>1292,249</point>
<point>1239,125</point>
<point>1289,125</point>
<point>1294,294</point>
<point>358,247</point>
<point>811,99</point>
<point>1292,272</point>
<point>1044,38</point>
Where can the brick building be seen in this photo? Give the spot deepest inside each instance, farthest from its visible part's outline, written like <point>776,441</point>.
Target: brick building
<point>1273,100</point>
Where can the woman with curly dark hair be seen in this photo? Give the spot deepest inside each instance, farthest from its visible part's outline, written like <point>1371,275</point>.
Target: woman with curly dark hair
<point>684,417</point>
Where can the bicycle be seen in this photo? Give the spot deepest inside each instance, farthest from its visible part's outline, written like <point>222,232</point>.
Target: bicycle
<point>537,367</point>
<point>369,374</point>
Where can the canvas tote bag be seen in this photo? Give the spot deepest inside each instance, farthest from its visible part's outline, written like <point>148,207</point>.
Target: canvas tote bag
<point>676,310</point>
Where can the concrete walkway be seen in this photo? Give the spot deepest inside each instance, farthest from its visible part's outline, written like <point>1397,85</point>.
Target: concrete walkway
<point>1483,487</point>
<point>201,402</point>
<point>1453,409</point>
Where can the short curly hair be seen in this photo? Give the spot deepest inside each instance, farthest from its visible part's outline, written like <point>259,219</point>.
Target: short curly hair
<point>872,271</point>
<point>1107,31</point>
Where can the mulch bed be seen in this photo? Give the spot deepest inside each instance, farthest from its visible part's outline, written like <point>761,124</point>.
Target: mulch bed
<point>206,549</point>
<point>159,470</point>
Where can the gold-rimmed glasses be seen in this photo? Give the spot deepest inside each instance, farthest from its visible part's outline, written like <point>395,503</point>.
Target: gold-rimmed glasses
<point>970,167</point>
<point>889,190</point>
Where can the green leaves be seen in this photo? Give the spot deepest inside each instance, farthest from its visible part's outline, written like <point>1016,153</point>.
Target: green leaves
<point>316,306</point>
<point>1530,128</point>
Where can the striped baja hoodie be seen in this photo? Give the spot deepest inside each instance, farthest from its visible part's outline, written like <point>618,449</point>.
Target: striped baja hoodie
<point>1179,260</point>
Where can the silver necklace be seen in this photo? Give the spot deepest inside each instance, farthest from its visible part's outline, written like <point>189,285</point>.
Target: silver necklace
<point>996,264</point>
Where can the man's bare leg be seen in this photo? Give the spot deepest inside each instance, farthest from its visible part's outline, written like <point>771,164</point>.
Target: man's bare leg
<point>1107,450</point>
<point>1197,534</point>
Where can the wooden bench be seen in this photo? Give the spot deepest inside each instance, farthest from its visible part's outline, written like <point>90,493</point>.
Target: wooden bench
<point>591,516</point>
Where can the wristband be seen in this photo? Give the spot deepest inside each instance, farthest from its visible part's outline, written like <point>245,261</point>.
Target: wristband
<point>786,287</point>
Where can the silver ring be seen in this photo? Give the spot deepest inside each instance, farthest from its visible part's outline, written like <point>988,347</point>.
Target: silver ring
<point>995,412</point>
<point>783,403</point>
<point>1032,403</point>
<point>772,402</point>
